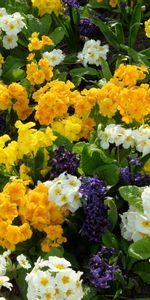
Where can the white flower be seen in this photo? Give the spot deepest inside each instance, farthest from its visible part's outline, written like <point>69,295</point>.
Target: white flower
<point>135,225</point>
<point>4,281</point>
<point>23,262</point>
<point>64,190</point>
<point>56,263</point>
<point>3,12</point>
<point>2,265</point>
<point>92,53</point>
<point>146,201</point>
<point>55,57</point>
<point>10,26</point>
<point>10,41</point>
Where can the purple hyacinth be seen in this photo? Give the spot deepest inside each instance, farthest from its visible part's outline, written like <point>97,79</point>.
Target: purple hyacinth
<point>95,224</point>
<point>134,161</point>
<point>64,160</point>
<point>139,178</point>
<point>87,28</point>
<point>72,3</point>
<point>101,273</point>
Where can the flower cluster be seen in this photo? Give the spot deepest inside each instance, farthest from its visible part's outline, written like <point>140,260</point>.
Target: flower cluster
<point>95,224</point>
<point>33,209</point>
<point>92,53</point>
<point>10,25</point>
<point>123,93</point>
<point>64,191</point>
<point>48,6</point>
<point>101,272</point>
<point>15,95</point>
<point>120,136</point>
<point>64,161</point>
<point>135,223</point>
<point>54,279</point>
<point>14,151</point>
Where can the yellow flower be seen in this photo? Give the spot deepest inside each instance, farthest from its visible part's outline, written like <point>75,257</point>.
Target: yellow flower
<point>146,167</point>
<point>113,3</point>
<point>147,28</point>
<point>1,60</point>
<point>69,127</point>
<point>48,6</point>
<point>30,56</point>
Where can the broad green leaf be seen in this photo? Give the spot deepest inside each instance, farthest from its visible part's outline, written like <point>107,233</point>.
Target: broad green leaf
<point>83,71</point>
<point>9,68</point>
<point>105,69</point>
<point>89,292</point>
<point>22,285</point>
<point>92,158</point>
<point>54,252</point>
<point>78,147</point>
<point>112,211</point>
<point>45,24</point>
<point>108,173</point>
<point>132,194</point>
<point>109,240</point>
<point>110,36</point>
<point>39,160</point>
<point>57,35</point>
<point>62,140</point>
<point>143,270</point>
<point>140,249</point>
<point>17,74</point>
<point>134,25</point>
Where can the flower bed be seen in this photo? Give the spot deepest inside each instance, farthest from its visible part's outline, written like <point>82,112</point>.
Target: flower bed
<point>74,149</point>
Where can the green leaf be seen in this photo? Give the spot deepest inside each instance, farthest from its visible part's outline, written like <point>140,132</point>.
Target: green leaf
<point>46,21</point>
<point>132,194</point>
<point>9,68</point>
<point>105,69</point>
<point>108,173</point>
<point>78,147</point>
<point>120,33</point>
<point>140,249</point>
<point>54,252</point>
<point>83,71</point>
<point>112,211</point>
<point>20,279</point>
<point>62,140</point>
<point>136,56</point>
<point>17,74</point>
<point>143,270</point>
<point>92,157</point>
<point>110,36</point>
<point>89,292</point>
<point>57,35</point>
<point>146,52</point>
<point>39,160</point>
<point>134,25</point>
<point>109,240</point>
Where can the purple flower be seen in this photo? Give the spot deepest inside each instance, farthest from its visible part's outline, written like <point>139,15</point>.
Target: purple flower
<point>87,28</point>
<point>73,3</point>
<point>95,224</point>
<point>62,161</point>
<point>134,161</point>
<point>139,178</point>
<point>101,273</point>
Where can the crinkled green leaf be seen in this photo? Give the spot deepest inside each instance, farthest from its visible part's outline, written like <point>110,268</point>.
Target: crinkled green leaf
<point>140,249</point>
<point>132,194</point>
